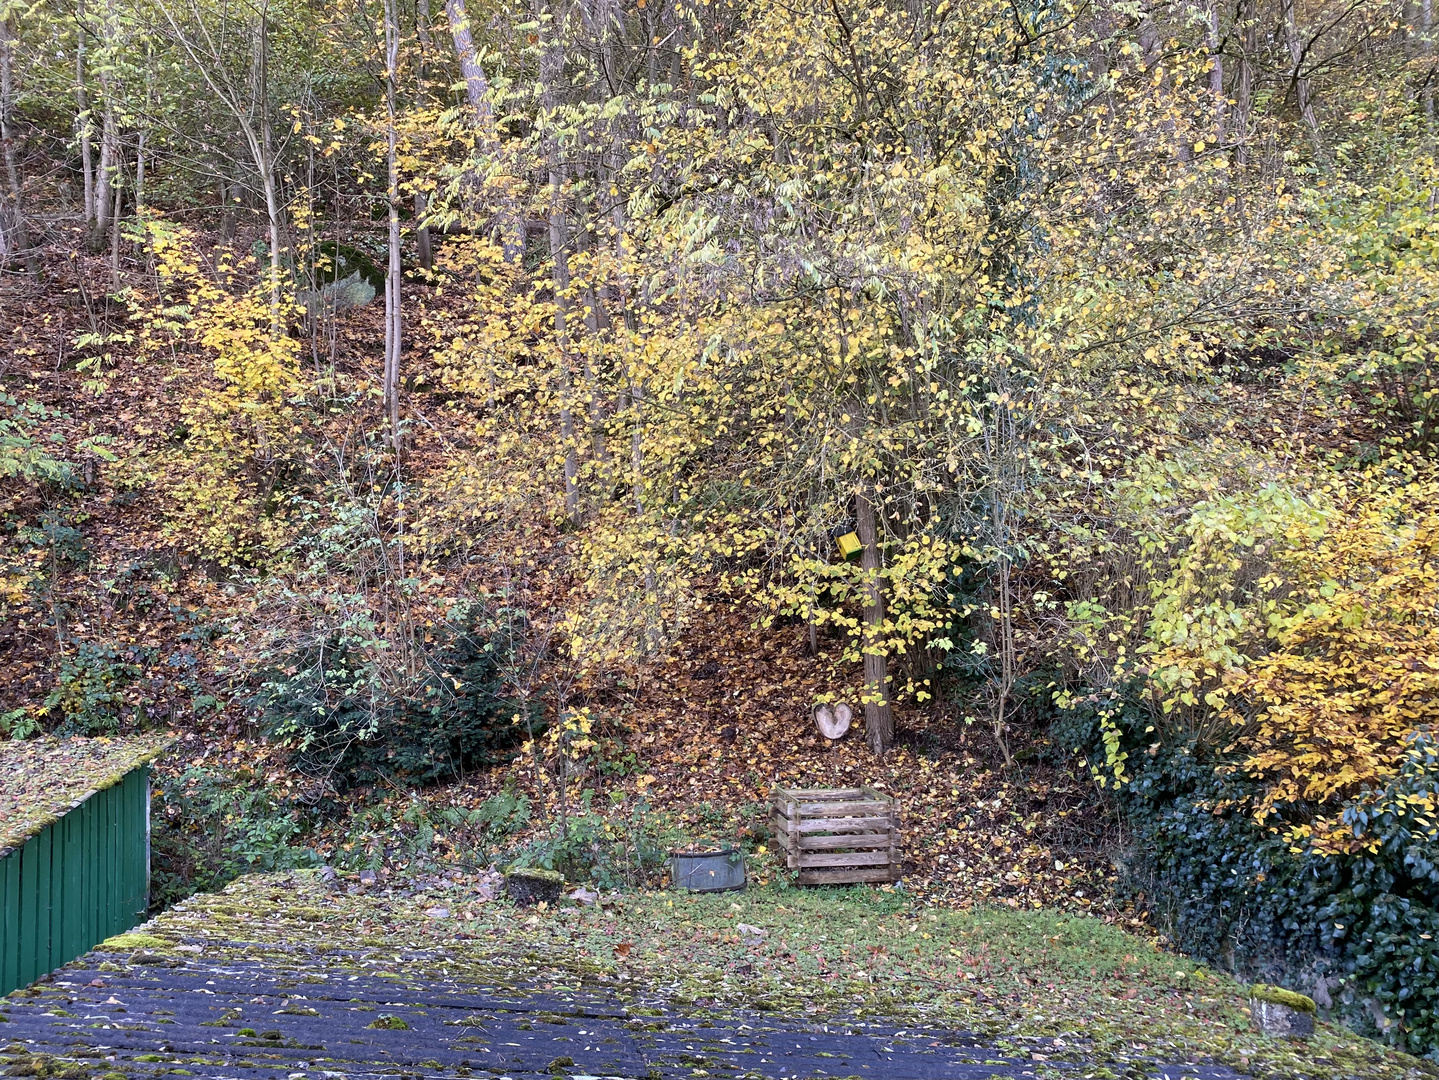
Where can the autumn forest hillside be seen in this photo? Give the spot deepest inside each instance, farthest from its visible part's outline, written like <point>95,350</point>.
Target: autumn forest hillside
<point>486,434</point>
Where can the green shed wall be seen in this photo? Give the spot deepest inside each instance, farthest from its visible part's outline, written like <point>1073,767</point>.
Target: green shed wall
<point>80,880</point>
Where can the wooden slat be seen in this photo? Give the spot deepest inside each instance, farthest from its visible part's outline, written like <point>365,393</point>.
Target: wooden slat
<point>837,835</point>
<point>845,842</point>
<point>818,794</point>
<point>865,808</point>
<point>809,859</point>
<point>852,825</point>
<point>841,877</point>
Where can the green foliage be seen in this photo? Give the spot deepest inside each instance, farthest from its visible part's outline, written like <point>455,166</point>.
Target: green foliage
<point>346,672</point>
<point>501,815</point>
<point>419,832</point>
<point>1360,927</point>
<point>25,452</point>
<point>618,850</point>
<point>89,696</point>
<point>211,825</point>
<point>346,722</point>
<point>388,1022</point>
<point>19,724</point>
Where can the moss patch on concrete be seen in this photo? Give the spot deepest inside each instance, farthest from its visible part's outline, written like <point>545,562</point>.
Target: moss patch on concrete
<point>1276,995</point>
<point>131,942</point>
<point>43,779</point>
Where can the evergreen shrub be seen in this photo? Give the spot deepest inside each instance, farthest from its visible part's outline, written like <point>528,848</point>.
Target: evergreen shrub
<point>1358,931</point>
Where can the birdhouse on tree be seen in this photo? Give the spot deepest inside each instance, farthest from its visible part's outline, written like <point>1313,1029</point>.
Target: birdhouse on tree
<point>849,546</point>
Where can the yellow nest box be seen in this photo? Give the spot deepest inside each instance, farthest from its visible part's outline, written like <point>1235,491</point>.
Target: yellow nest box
<point>849,546</point>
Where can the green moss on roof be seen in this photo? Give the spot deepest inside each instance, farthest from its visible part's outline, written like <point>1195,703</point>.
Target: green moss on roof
<point>43,779</point>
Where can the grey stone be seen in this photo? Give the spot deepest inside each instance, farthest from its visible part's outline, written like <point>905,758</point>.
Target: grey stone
<point>1271,1018</point>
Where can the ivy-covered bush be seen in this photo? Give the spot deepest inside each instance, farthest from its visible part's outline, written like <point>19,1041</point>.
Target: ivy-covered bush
<point>351,720</point>
<point>1357,929</point>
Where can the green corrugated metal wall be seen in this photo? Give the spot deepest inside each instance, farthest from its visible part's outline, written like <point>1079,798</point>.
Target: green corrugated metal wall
<point>81,880</point>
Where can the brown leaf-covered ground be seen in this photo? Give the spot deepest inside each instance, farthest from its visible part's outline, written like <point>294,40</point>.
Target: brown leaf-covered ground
<point>703,734</point>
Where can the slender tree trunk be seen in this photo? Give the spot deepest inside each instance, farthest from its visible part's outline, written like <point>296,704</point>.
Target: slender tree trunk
<point>227,211</point>
<point>115,234</point>
<point>422,32</point>
<point>1426,46</point>
<point>510,218</point>
<point>105,177</point>
<point>262,146</point>
<point>82,117</point>
<point>393,326</point>
<point>109,135</point>
<point>1302,90</point>
<point>476,85</point>
<point>16,237</point>
<point>560,259</point>
<point>878,715</point>
<point>1244,91</point>
<point>1216,72</point>
<point>140,171</point>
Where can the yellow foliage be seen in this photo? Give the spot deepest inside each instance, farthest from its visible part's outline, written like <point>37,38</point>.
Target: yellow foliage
<point>237,417</point>
<point>1353,666</point>
<point>1310,624</point>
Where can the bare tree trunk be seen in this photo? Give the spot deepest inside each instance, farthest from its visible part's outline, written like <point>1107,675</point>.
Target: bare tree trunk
<point>266,162</point>
<point>559,257</point>
<point>1244,92</point>
<point>878,715</point>
<point>1216,72</point>
<point>82,116</point>
<point>477,87</point>
<point>140,171</point>
<point>1426,46</point>
<point>109,135</point>
<point>16,238</point>
<point>227,213</point>
<point>422,231</point>
<point>392,278</point>
<point>1302,91</point>
<point>115,235</point>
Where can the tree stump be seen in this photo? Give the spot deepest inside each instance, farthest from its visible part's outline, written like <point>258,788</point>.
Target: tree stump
<point>528,886</point>
<point>833,723</point>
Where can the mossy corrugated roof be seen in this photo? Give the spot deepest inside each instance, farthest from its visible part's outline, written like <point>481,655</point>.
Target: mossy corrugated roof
<point>43,779</point>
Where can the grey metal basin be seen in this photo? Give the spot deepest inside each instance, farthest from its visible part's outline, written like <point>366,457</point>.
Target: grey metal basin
<point>707,871</point>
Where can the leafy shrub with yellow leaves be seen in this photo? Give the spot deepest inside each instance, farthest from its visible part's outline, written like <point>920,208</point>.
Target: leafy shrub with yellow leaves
<point>1308,624</point>
<point>219,471</point>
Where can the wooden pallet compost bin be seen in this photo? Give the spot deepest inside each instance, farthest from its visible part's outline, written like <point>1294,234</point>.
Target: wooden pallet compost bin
<point>838,835</point>
<point>74,848</point>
